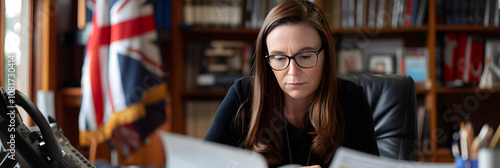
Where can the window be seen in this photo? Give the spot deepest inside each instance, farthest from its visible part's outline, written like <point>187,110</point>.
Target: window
<point>16,51</point>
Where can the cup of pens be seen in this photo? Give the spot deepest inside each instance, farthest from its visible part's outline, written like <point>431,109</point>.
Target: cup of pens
<point>476,152</point>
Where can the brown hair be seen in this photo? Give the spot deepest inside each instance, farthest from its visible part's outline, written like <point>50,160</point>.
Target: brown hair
<point>325,120</point>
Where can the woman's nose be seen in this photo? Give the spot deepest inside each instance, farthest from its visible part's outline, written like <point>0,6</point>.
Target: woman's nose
<point>293,68</point>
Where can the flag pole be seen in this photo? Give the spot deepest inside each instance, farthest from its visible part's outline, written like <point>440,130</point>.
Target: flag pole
<point>93,149</point>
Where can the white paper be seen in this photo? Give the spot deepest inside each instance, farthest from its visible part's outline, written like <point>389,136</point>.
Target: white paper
<point>348,158</point>
<point>187,152</point>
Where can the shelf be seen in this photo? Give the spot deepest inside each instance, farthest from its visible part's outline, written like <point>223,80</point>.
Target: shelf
<point>479,28</point>
<point>71,97</point>
<point>422,91</point>
<point>204,94</point>
<point>444,155</point>
<point>221,30</point>
<point>465,90</point>
<point>382,30</point>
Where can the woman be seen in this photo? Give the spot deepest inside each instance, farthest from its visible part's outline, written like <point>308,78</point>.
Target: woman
<point>293,109</point>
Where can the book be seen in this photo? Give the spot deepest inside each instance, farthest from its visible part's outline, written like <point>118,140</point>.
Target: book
<point>460,56</point>
<point>351,14</point>
<point>449,53</point>
<point>401,13</point>
<point>409,7</point>
<point>345,14</point>
<point>496,14</point>
<point>473,59</point>
<point>414,62</point>
<point>188,13</point>
<point>421,13</point>
<point>372,16</point>
<point>328,9</point>
<point>438,71</point>
<point>487,11</point>
<point>462,12</point>
<point>337,14</point>
<point>359,13</point>
<point>491,74</point>
<point>254,13</point>
<point>440,12</point>
<point>380,14</point>
<point>210,79</point>
<point>449,14</point>
<point>387,13</point>
<point>479,12</point>
<point>397,10</point>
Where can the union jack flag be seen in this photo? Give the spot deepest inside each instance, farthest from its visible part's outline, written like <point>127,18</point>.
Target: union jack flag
<point>123,83</point>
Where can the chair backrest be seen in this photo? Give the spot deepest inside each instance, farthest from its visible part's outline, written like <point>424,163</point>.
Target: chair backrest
<point>392,101</point>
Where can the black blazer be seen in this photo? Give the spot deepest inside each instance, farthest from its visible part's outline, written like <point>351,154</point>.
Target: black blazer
<point>358,135</point>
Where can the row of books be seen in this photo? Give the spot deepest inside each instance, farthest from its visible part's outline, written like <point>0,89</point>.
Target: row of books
<point>479,12</point>
<point>226,13</point>
<point>470,60</point>
<point>217,63</point>
<point>349,14</point>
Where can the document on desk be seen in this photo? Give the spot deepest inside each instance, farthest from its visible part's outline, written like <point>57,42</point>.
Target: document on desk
<point>348,158</point>
<point>187,152</point>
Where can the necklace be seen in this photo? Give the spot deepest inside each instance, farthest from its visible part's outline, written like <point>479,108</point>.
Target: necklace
<point>288,142</point>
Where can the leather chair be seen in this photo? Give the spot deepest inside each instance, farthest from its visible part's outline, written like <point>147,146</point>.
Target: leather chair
<point>392,101</point>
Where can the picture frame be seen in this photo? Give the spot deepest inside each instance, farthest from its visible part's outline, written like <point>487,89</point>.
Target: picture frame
<point>382,63</point>
<point>350,61</point>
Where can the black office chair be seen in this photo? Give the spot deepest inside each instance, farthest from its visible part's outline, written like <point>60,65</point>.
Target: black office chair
<point>392,101</point>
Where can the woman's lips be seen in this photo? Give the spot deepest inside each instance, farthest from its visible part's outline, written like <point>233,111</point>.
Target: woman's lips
<point>295,85</point>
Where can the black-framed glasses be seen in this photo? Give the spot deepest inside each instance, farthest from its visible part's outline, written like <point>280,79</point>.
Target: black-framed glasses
<point>305,59</point>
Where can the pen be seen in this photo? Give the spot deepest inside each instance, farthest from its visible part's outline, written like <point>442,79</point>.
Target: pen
<point>463,141</point>
<point>485,135</point>
<point>494,140</point>
<point>481,139</point>
<point>455,148</point>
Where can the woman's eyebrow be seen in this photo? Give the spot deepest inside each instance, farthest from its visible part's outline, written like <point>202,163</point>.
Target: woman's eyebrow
<point>306,48</point>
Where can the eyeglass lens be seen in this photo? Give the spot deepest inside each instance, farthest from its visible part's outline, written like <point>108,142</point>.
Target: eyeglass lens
<point>305,60</point>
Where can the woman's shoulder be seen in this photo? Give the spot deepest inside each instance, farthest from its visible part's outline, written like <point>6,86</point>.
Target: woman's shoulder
<point>242,86</point>
<point>239,91</point>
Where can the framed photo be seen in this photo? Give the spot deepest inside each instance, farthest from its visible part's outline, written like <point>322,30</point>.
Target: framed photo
<point>350,61</point>
<point>382,64</point>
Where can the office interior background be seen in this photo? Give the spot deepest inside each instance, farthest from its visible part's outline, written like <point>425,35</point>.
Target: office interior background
<point>449,47</point>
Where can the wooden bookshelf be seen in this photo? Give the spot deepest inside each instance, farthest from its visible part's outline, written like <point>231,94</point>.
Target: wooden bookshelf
<point>443,155</point>
<point>381,30</point>
<point>422,91</point>
<point>466,90</point>
<point>469,28</point>
<point>220,30</point>
<point>204,94</point>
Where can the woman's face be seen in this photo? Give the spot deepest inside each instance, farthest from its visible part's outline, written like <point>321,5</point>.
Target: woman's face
<point>290,39</point>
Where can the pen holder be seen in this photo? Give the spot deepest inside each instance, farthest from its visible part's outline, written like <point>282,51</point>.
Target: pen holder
<point>460,163</point>
<point>488,157</point>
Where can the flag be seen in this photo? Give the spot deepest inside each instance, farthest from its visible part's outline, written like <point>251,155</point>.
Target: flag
<point>123,83</point>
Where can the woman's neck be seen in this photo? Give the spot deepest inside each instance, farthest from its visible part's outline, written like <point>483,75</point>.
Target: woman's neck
<point>295,109</point>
